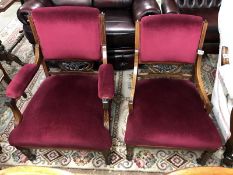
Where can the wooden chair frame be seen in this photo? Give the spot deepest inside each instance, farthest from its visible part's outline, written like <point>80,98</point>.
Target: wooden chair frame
<point>39,60</point>
<point>196,78</point>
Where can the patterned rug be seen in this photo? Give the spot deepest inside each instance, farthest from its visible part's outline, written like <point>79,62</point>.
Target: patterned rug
<point>4,4</point>
<point>146,160</point>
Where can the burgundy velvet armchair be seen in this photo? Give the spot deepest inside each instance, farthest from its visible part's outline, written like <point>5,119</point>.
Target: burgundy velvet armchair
<point>167,109</point>
<point>208,9</point>
<point>120,16</point>
<point>66,111</point>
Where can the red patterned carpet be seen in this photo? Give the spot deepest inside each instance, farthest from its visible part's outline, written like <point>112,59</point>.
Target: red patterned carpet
<point>145,160</point>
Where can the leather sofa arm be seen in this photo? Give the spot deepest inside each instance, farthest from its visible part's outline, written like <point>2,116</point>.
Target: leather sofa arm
<point>144,8</point>
<point>28,6</point>
<point>21,80</point>
<point>169,6</point>
<point>106,82</point>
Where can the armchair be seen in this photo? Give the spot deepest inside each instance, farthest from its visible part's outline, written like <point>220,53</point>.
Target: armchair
<point>167,109</point>
<point>120,16</point>
<point>208,9</point>
<point>65,112</point>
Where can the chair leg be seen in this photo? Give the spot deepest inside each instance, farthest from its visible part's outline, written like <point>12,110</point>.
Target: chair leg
<point>0,150</point>
<point>228,154</point>
<point>107,157</point>
<point>27,152</point>
<point>204,157</point>
<point>129,154</point>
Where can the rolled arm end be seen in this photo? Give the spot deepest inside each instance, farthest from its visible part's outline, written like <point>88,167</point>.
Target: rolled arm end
<point>106,82</point>
<point>169,6</point>
<point>28,6</point>
<point>21,80</point>
<point>144,8</point>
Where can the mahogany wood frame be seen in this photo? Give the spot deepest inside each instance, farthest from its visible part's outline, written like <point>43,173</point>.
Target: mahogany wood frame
<point>39,59</point>
<point>197,79</point>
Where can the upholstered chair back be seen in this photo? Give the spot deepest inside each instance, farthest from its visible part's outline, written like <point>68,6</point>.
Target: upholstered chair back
<point>198,3</point>
<point>75,35</point>
<point>176,38</point>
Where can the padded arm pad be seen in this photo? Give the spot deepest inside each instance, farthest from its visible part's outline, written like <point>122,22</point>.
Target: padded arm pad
<point>106,81</point>
<point>145,7</point>
<point>28,6</point>
<point>169,6</point>
<point>21,80</point>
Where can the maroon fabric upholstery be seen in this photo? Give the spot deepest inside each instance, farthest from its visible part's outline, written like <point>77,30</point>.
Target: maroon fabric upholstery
<point>73,35</point>
<point>170,113</point>
<point>21,80</point>
<point>106,81</point>
<point>65,112</point>
<point>170,37</point>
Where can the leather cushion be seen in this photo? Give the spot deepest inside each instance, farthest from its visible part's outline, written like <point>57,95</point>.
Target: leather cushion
<point>65,112</point>
<point>72,2</point>
<point>170,113</point>
<point>112,3</point>
<point>198,3</point>
<point>211,15</point>
<point>119,28</point>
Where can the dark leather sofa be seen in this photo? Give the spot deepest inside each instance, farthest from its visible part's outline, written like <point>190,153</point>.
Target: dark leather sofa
<point>208,9</point>
<point>119,16</point>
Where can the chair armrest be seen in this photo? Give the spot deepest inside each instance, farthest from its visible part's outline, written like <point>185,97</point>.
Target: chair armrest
<point>28,6</point>
<point>21,80</point>
<point>106,81</point>
<point>144,8</point>
<point>169,6</point>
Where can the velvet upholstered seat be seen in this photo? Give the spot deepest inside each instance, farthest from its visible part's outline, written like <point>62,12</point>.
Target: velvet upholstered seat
<point>66,111</point>
<point>166,108</point>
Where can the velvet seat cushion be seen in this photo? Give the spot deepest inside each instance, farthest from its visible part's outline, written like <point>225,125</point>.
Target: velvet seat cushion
<point>170,113</point>
<point>65,112</point>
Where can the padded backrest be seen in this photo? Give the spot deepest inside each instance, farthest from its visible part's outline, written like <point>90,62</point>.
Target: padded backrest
<point>112,3</point>
<point>72,2</point>
<point>169,38</point>
<point>68,32</point>
<point>198,3</point>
